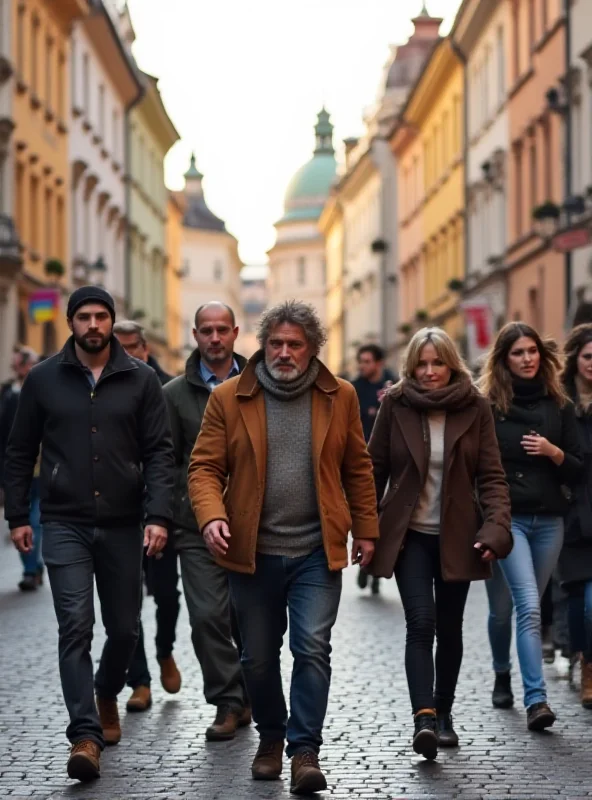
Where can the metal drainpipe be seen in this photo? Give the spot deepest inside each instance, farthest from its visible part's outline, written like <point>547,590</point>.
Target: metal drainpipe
<point>567,154</point>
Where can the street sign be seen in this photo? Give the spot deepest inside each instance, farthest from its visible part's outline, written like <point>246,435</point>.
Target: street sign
<point>565,241</point>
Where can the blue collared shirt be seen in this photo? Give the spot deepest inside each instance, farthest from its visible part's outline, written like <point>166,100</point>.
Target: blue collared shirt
<point>212,380</point>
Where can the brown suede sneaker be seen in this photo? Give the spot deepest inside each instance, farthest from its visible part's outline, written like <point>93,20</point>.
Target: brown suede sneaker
<point>170,677</point>
<point>84,761</point>
<point>109,716</point>
<point>140,700</point>
<point>267,764</point>
<point>586,692</point>
<point>245,718</point>
<point>307,777</point>
<point>225,725</point>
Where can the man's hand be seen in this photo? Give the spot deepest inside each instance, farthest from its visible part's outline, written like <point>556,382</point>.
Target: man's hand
<point>216,535</point>
<point>22,538</point>
<point>362,551</point>
<point>155,538</point>
<point>487,554</point>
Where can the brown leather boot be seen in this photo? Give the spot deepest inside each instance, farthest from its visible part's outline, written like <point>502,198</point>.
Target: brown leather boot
<point>140,700</point>
<point>267,764</point>
<point>170,677</point>
<point>109,716</point>
<point>225,725</point>
<point>245,718</point>
<point>586,692</point>
<point>84,761</point>
<point>307,777</point>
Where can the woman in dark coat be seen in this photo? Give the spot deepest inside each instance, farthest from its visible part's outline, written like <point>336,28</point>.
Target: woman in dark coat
<point>434,442</point>
<point>575,561</point>
<point>536,430</point>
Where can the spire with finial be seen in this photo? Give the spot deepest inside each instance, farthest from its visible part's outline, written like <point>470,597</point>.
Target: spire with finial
<point>424,10</point>
<point>324,133</point>
<point>193,171</point>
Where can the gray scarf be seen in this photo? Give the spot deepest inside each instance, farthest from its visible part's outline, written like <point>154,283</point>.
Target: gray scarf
<point>287,390</point>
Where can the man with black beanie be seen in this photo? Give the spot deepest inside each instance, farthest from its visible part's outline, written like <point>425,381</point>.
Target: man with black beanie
<point>107,469</point>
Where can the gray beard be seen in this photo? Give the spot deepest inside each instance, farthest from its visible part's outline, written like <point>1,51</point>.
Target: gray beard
<point>283,377</point>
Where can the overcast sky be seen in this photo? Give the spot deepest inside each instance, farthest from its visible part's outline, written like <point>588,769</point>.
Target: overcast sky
<point>243,82</point>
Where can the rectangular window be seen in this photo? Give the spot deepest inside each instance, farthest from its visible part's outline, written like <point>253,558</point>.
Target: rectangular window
<point>102,111</point>
<point>115,136</point>
<point>62,87</point>
<point>20,199</point>
<point>436,152</point>
<point>533,175</point>
<point>20,42</point>
<point>501,66</point>
<point>548,188</point>
<point>301,271</point>
<point>86,84</point>
<point>34,54</point>
<point>458,133</point>
<point>48,224</point>
<point>48,72</point>
<point>518,189</point>
<point>34,210</point>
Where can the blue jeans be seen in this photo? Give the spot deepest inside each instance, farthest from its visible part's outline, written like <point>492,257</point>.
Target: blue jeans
<point>580,620</point>
<point>32,562</point>
<point>520,580</point>
<point>304,590</point>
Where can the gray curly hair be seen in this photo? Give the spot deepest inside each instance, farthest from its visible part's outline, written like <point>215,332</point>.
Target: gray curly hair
<point>293,312</point>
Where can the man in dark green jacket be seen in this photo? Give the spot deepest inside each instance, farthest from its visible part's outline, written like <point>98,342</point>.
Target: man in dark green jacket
<point>205,583</point>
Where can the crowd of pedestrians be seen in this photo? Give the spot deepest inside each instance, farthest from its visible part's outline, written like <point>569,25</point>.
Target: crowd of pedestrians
<point>247,478</point>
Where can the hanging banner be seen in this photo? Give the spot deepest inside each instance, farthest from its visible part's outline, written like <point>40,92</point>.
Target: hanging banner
<point>43,305</point>
<point>479,327</point>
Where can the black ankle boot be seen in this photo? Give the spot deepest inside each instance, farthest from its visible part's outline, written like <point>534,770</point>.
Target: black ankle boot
<point>502,696</point>
<point>447,736</point>
<point>425,738</point>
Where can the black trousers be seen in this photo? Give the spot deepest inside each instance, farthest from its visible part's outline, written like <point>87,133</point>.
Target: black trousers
<point>162,578</point>
<point>433,608</point>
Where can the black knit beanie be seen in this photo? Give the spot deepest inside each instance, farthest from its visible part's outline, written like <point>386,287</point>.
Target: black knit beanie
<point>90,294</point>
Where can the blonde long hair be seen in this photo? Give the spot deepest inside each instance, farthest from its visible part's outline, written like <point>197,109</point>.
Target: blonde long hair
<point>444,347</point>
<point>496,379</point>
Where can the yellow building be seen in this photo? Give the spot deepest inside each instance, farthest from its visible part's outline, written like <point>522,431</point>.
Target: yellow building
<point>40,35</point>
<point>331,226</point>
<point>428,144</point>
<point>174,275</point>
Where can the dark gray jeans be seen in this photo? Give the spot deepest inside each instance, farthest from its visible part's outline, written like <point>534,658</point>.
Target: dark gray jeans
<point>74,556</point>
<point>215,640</point>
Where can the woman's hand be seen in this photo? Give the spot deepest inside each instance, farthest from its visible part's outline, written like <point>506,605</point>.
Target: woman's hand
<point>536,445</point>
<point>486,553</point>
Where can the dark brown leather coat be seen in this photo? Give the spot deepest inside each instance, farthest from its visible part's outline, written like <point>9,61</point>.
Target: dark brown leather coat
<point>399,450</point>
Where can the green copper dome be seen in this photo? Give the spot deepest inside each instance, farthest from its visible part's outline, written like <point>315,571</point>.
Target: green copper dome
<point>307,191</point>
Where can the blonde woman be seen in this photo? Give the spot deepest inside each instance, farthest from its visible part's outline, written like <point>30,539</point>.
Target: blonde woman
<point>536,429</point>
<point>433,443</point>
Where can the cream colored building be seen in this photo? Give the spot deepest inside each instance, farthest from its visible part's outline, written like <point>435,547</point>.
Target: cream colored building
<point>297,259</point>
<point>104,85</point>
<point>211,264</point>
<point>483,34</point>
<point>332,227</point>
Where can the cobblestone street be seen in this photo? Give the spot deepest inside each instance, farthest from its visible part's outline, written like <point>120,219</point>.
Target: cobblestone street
<point>367,753</point>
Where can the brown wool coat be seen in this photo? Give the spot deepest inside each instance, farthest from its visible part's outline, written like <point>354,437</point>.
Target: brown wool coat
<point>471,458</point>
<point>227,470</point>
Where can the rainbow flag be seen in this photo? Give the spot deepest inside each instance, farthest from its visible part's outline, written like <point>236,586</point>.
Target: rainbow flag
<point>43,305</point>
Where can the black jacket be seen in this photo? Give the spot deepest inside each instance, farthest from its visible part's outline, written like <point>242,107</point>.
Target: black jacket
<point>186,398</point>
<point>163,376</point>
<point>8,406</point>
<point>575,561</point>
<point>106,453</point>
<point>367,392</point>
<point>537,486</point>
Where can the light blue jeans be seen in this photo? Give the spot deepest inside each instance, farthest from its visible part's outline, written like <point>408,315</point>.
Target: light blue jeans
<point>520,580</point>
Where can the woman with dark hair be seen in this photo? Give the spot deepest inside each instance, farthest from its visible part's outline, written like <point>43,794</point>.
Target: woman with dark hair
<point>575,561</point>
<point>433,443</point>
<point>536,430</point>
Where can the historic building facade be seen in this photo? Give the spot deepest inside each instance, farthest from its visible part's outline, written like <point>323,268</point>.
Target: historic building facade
<point>104,86</point>
<point>211,265</point>
<point>174,359</point>
<point>297,259</point>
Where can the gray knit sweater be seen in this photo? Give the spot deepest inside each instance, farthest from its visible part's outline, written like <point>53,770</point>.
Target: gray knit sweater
<point>290,524</point>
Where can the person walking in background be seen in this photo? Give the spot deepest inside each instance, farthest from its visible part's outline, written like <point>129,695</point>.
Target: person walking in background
<point>536,430</point>
<point>206,583</point>
<point>107,466</point>
<point>575,561</point>
<point>433,443</point>
<point>23,361</point>
<point>279,475</point>
<point>160,573</point>
<point>372,381</point>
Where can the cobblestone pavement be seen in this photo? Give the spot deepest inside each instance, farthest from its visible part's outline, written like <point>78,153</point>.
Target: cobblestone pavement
<point>163,753</point>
